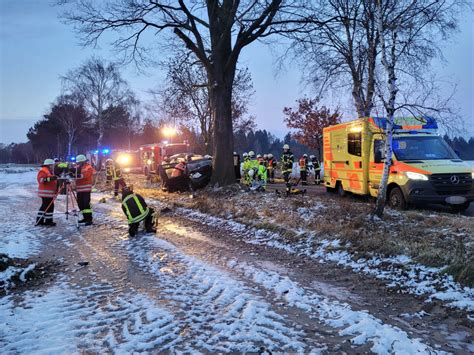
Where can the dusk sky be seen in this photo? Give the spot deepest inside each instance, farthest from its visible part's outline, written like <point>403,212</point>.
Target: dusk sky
<point>36,49</point>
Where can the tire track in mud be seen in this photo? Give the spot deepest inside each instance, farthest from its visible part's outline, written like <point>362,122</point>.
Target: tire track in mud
<point>226,248</point>
<point>155,262</point>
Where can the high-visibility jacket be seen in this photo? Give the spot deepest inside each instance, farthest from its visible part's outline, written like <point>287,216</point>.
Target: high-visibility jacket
<point>287,162</point>
<point>109,170</point>
<point>116,172</point>
<point>262,173</point>
<point>303,164</point>
<point>46,186</point>
<point>84,184</point>
<point>178,170</point>
<point>135,208</point>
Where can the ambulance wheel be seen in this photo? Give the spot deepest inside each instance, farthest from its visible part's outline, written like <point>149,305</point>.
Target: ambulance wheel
<point>340,190</point>
<point>396,199</point>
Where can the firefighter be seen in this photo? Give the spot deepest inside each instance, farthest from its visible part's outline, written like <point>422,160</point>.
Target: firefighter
<point>304,169</point>
<point>317,169</point>
<point>47,186</point>
<point>287,159</point>
<point>237,166</point>
<point>109,171</point>
<point>136,210</point>
<point>265,160</point>
<point>262,175</point>
<point>247,167</point>
<point>119,181</point>
<point>84,187</point>
<point>271,166</point>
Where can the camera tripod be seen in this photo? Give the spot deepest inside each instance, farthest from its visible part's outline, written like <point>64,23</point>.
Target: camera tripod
<point>65,188</point>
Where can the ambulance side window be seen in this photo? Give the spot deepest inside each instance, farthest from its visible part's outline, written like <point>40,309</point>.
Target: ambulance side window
<point>354,143</point>
<point>379,146</point>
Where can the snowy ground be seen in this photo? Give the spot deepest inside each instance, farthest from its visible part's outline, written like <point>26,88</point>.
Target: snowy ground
<point>201,284</point>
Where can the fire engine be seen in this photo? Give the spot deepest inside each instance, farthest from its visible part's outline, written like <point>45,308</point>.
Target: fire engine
<point>151,155</point>
<point>424,168</point>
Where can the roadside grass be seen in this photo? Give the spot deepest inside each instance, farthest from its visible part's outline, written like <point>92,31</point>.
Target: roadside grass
<point>430,238</point>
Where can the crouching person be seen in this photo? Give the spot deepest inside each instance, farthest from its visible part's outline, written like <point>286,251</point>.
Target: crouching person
<point>136,210</point>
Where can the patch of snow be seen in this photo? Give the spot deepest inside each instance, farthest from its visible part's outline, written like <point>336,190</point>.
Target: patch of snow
<point>398,271</point>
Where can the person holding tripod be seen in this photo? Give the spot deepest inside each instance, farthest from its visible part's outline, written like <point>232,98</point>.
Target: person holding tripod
<point>47,186</point>
<point>84,184</point>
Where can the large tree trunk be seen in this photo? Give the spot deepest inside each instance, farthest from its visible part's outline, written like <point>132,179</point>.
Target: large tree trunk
<point>223,138</point>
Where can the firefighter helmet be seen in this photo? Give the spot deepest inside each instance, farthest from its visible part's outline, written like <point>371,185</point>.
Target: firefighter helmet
<point>311,156</point>
<point>109,161</point>
<point>81,158</point>
<point>286,147</point>
<point>251,154</point>
<point>48,162</point>
<point>305,155</point>
<point>259,156</point>
<point>270,156</point>
<point>265,156</point>
<point>245,155</point>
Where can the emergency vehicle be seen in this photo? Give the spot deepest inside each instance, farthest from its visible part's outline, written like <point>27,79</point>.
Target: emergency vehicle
<point>424,168</point>
<point>151,155</point>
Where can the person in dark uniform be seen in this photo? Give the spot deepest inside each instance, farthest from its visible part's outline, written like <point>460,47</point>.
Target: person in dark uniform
<point>237,166</point>
<point>136,210</point>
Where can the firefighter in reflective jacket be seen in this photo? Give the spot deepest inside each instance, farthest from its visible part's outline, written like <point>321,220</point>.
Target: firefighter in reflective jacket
<point>47,186</point>
<point>262,174</point>
<point>136,210</point>
<point>84,187</point>
<point>271,166</point>
<point>119,181</point>
<point>109,174</point>
<point>316,168</point>
<point>304,169</point>
<point>287,166</point>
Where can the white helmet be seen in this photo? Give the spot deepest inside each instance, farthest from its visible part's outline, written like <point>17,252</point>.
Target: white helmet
<point>305,155</point>
<point>311,156</point>
<point>286,146</point>
<point>265,156</point>
<point>245,155</point>
<point>235,153</point>
<point>81,158</point>
<point>48,162</point>
<point>259,156</point>
<point>109,161</point>
<point>251,172</point>
<point>251,154</point>
<point>270,156</point>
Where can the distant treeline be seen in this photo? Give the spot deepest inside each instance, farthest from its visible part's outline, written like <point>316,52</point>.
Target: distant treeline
<point>464,148</point>
<point>44,143</point>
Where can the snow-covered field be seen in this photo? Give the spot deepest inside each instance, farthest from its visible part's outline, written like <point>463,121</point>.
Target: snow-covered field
<point>190,289</point>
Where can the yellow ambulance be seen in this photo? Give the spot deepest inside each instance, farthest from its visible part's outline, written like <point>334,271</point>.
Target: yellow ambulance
<point>424,168</point>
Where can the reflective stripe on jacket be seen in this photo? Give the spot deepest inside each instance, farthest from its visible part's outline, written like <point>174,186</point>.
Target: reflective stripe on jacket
<point>135,208</point>
<point>46,187</point>
<point>84,184</point>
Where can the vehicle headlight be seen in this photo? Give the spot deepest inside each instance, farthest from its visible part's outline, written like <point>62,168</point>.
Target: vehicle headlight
<point>148,161</point>
<point>416,176</point>
<point>123,159</point>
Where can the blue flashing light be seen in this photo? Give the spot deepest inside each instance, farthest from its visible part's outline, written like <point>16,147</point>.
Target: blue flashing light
<point>430,123</point>
<point>96,152</point>
<point>106,151</point>
<point>73,158</point>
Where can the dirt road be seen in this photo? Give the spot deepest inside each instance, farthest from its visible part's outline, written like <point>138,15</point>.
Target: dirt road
<point>194,286</point>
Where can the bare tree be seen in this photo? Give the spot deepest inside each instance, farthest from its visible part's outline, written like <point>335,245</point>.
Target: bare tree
<point>99,85</point>
<point>408,31</point>
<point>215,31</point>
<point>71,115</point>
<point>340,50</point>
<point>186,97</point>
